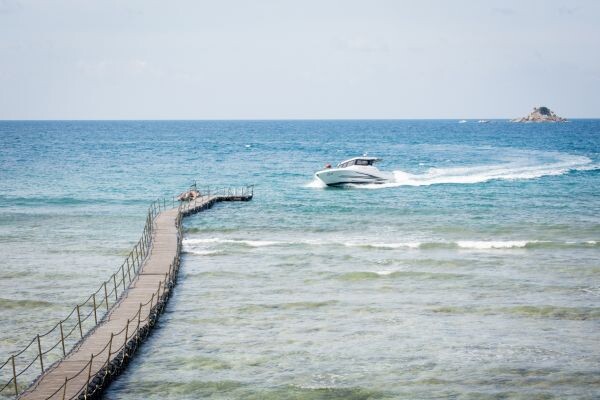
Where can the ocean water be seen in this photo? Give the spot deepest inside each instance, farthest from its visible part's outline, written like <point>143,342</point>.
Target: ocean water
<point>476,274</point>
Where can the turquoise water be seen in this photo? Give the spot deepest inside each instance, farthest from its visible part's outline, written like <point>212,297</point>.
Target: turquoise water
<point>475,275</point>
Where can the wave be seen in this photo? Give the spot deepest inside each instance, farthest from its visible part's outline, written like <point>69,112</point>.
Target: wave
<point>398,245</point>
<point>202,252</point>
<point>24,304</point>
<point>299,305</point>
<point>315,184</point>
<point>370,275</point>
<point>482,245</point>
<point>520,165</point>
<point>249,243</point>
<point>190,244</point>
<point>195,363</point>
<point>543,311</point>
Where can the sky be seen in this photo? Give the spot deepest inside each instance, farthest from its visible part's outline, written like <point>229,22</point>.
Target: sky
<point>304,59</point>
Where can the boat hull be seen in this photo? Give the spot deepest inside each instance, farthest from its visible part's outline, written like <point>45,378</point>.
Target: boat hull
<point>348,176</point>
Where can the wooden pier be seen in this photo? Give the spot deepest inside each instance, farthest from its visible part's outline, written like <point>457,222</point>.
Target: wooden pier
<point>145,280</point>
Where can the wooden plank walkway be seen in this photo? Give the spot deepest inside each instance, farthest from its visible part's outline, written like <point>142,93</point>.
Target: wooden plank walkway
<point>105,350</point>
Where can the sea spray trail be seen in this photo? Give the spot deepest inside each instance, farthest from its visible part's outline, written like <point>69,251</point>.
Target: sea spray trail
<point>530,165</point>
<point>479,174</point>
<point>519,165</point>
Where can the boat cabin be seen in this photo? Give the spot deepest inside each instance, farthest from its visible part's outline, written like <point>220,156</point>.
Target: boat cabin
<point>362,161</point>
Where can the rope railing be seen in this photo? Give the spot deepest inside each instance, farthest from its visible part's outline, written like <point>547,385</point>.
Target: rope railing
<point>58,341</point>
<point>116,359</point>
<point>63,337</point>
<point>214,194</point>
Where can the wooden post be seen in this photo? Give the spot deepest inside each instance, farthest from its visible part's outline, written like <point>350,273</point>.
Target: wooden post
<point>145,235</point>
<point>89,374</point>
<point>115,282</point>
<point>166,282</point>
<point>132,260</point>
<point>40,353</point>
<point>126,334</point>
<point>64,389</point>
<point>79,319</point>
<point>15,376</point>
<point>137,256</point>
<point>106,296</point>
<point>139,317</point>
<point>95,314</point>
<point>123,275</point>
<point>62,339</point>
<point>142,246</point>
<point>109,349</point>
<point>128,270</point>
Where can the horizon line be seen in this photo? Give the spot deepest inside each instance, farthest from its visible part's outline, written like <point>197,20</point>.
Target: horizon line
<point>267,119</point>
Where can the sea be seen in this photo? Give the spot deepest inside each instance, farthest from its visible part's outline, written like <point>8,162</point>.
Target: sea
<point>475,274</point>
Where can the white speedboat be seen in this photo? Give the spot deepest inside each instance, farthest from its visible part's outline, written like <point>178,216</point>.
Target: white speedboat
<point>357,170</point>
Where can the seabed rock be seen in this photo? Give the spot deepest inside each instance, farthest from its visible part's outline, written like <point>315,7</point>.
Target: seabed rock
<point>541,114</point>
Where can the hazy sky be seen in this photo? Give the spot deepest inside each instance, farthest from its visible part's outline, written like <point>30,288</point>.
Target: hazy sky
<point>147,59</point>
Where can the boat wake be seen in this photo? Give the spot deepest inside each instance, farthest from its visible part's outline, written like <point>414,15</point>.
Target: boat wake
<point>526,165</point>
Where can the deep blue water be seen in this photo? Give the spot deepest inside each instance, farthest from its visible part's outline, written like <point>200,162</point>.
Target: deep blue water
<point>475,275</point>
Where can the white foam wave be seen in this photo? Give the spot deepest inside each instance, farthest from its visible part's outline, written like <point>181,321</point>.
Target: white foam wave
<point>524,165</point>
<point>198,245</point>
<point>398,245</point>
<point>252,243</point>
<point>202,252</point>
<point>199,241</point>
<point>316,184</point>
<point>487,245</point>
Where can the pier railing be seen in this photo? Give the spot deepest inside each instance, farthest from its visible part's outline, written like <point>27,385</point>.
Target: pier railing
<point>21,368</point>
<point>117,352</point>
<point>44,349</point>
<point>214,193</point>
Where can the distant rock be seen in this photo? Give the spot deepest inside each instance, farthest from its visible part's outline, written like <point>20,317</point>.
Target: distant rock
<point>541,114</point>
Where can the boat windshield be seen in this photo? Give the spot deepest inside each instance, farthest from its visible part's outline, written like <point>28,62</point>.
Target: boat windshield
<point>357,161</point>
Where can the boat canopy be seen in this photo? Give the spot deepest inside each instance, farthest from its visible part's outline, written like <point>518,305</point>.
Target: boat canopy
<point>358,161</point>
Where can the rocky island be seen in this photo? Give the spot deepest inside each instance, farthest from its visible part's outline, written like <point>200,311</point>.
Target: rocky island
<point>541,114</point>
